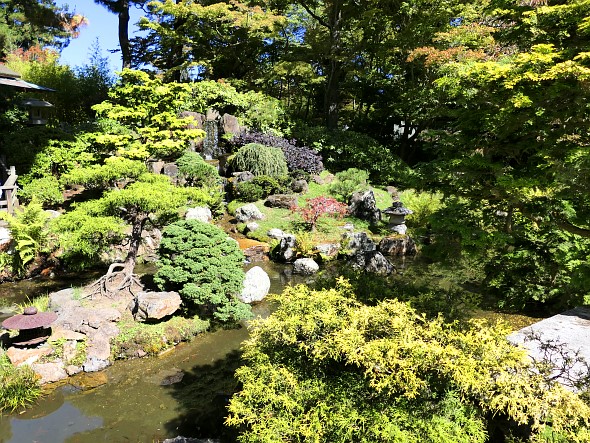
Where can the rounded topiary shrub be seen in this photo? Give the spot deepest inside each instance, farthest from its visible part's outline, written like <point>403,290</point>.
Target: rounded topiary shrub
<point>204,266</point>
<point>46,190</point>
<point>196,171</point>
<point>260,160</point>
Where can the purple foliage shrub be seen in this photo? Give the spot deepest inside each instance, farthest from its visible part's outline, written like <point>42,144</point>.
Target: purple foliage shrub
<point>298,157</point>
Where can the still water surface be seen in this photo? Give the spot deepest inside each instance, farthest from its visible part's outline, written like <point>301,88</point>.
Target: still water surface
<point>183,392</point>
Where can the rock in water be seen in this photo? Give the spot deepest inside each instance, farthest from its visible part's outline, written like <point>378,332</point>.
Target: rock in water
<point>305,266</point>
<point>256,285</point>
<point>285,250</point>
<point>358,243</point>
<point>397,246</point>
<point>374,262</point>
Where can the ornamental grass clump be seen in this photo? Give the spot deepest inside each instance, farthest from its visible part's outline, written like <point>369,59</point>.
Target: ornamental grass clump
<point>260,160</point>
<point>19,386</point>
<point>204,266</point>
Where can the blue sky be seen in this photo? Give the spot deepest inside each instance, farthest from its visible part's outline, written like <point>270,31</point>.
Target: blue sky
<point>102,25</point>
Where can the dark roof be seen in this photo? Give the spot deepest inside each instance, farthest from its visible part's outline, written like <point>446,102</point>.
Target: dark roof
<point>10,78</point>
<point>7,72</point>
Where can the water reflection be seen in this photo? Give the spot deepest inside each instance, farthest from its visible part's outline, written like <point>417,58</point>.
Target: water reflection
<point>58,426</point>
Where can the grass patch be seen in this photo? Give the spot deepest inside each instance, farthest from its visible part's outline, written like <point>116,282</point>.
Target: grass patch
<point>19,386</point>
<point>135,337</point>
<point>329,229</point>
<point>41,303</point>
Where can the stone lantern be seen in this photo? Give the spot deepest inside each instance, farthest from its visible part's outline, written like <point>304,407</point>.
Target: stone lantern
<point>33,326</point>
<point>397,217</point>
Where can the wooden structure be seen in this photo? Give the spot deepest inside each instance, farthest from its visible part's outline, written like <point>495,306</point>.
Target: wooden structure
<point>8,190</point>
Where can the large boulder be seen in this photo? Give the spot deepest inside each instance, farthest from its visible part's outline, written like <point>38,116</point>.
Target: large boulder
<point>358,243</point>
<point>300,186</point>
<point>256,285</point>
<point>242,177</point>
<point>275,233</point>
<point>285,251</point>
<point>373,262</point>
<point>305,266</point>
<point>201,213</point>
<point>230,125</point>
<point>283,201</point>
<point>171,170</point>
<point>364,206</point>
<point>26,356</point>
<point>155,305</point>
<point>397,246</point>
<point>328,250</point>
<point>248,213</point>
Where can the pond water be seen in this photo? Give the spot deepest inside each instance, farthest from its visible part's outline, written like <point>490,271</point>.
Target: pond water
<point>182,392</point>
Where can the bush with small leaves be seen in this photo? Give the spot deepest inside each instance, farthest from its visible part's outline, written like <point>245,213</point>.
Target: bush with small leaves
<point>248,192</point>
<point>45,190</point>
<point>196,171</point>
<point>325,368</point>
<point>297,157</point>
<point>204,266</point>
<point>260,160</point>
<point>349,181</point>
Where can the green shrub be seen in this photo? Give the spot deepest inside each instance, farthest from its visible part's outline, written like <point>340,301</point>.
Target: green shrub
<point>248,192</point>
<point>45,190</point>
<point>347,182</point>
<point>204,266</point>
<point>261,187</point>
<point>349,149</point>
<point>196,171</point>
<point>18,385</point>
<point>30,235</point>
<point>424,204</point>
<point>260,160</point>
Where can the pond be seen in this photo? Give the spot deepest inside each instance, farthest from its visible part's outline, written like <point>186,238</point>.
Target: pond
<point>182,392</point>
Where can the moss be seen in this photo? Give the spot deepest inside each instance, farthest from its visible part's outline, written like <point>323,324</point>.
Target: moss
<point>154,338</point>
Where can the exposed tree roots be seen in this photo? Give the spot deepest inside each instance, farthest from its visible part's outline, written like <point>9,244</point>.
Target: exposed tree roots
<point>114,281</point>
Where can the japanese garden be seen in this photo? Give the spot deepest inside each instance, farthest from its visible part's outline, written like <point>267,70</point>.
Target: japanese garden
<point>320,221</point>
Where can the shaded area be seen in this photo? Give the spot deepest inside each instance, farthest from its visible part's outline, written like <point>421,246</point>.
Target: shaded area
<point>203,396</point>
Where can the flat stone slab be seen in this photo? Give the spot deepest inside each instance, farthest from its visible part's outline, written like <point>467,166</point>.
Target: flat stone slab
<point>26,356</point>
<point>66,334</point>
<point>571,329</point>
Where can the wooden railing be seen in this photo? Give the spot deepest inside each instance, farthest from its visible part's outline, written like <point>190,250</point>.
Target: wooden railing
<point>9,200</point>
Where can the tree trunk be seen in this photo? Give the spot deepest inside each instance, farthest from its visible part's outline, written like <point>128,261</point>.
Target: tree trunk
<point>137,224</point>
<point>124,33</point>
<point>335,73</point>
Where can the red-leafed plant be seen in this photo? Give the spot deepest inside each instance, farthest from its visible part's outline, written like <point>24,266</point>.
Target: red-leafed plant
<point>317,207</point>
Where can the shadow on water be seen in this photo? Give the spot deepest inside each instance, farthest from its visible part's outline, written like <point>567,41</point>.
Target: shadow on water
<point>203,396</point>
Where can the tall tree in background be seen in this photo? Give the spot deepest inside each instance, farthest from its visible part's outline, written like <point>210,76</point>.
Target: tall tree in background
<point>218,39</point>
<point>515,146</point>
<point>28,23</point>
<point>121,8</point>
